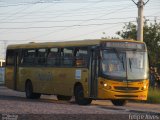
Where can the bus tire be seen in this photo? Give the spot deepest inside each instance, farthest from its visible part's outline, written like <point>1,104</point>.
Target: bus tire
<point>119,102</point>
<point>29,91</point>
<point>62,97</point>
<point>79,96</point>
<point>36,95</point>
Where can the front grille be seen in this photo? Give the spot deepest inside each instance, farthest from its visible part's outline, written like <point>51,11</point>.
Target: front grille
<point>126,96</point>
<point>126,88</point>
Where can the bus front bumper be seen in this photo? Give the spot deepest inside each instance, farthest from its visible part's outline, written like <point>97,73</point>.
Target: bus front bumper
<point>127,95</point>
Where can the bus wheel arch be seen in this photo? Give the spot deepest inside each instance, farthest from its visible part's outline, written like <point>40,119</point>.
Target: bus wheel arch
<point>77,84</point>
<point>29,90</point>
<point>79,95</point>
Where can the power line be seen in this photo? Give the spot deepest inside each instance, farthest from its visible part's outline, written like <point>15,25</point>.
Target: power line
<point>67,12</point>
<point>66,15</point>
<point>71,25</point>
<point>70,37</point>
<point>78,25</point>
<point>15,13</point>
<point>17,4</point>
<point>21,10</point>
<point>74,12</point>
<point>29,3</point>
<point>64,26</point>
<point>91,32</point>
<point>81,10</point>
<point>155,13</point>
<point>59,1</point>
<point>69,20</point>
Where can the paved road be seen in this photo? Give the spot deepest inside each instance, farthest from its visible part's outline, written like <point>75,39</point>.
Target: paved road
<point>15,105</point>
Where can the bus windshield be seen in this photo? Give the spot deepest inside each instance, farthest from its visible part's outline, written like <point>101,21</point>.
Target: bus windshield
<point>130,65</point>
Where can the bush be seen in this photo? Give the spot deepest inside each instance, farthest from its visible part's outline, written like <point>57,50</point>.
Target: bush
<point>153,95</point>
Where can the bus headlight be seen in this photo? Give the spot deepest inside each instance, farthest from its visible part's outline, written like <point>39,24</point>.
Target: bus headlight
<point>105,85</point>
<point>144,87</point>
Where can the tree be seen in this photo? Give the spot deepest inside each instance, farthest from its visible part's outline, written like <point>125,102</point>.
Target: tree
<point>151,38</point>
<point>128,32</point>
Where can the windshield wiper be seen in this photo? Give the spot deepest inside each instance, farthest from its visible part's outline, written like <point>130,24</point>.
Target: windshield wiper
<point>130,64</point>
<point>121,60</point>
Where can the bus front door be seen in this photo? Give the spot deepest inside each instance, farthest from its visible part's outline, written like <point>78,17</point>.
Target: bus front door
<point>93,85</point>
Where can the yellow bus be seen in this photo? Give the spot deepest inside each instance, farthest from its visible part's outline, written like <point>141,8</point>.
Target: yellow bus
<point>115,70</point>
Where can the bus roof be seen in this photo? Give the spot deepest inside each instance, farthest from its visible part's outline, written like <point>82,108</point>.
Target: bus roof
<point>65,43</point>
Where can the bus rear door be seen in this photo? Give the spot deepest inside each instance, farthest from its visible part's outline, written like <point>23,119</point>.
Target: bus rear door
<point>11,69</point>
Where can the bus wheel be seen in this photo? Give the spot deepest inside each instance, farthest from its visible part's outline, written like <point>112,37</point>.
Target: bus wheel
<point>119,102</point>
<point>36,95</point>
<point>29,91</point>
<point>79,96</point>
<point>62,97</point>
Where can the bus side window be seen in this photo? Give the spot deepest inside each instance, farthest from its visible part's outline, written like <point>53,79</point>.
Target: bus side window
<point>82,57</point>
<point>41,56</point>
<point>52,57</point>
<point>28,57</point>
<point>23,57</point>
<point>67,57</point>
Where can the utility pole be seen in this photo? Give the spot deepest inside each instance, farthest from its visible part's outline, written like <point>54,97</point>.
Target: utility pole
<point>140,4</point>
<point>3,49</point>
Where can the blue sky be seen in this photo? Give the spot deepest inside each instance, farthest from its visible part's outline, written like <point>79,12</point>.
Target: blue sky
<point>23,21</point>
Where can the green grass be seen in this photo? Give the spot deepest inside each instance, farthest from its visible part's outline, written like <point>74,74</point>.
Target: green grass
<point>153,95</point>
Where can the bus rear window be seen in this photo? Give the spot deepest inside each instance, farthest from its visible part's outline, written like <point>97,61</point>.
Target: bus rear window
<point>10,57</point>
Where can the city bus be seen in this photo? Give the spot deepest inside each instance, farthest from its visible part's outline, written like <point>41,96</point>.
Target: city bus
<point>115,70</point>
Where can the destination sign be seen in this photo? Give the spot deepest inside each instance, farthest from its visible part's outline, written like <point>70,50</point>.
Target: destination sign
<point>126,45</point>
